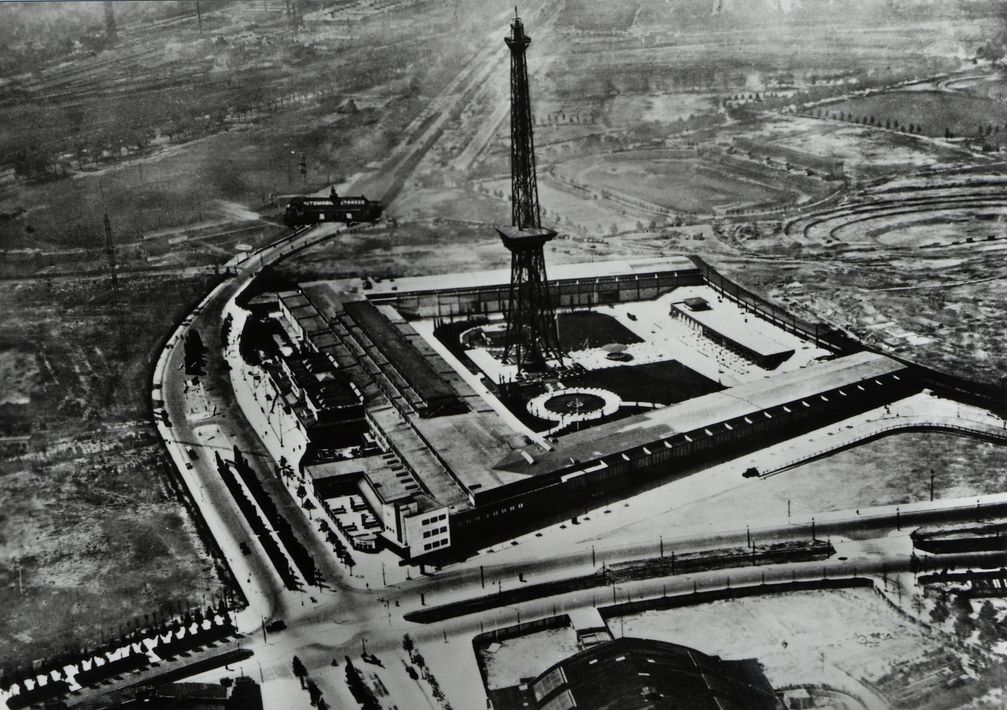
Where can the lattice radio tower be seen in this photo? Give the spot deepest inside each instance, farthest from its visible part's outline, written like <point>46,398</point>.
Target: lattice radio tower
<point>116,294</point>
<point>531,338</point>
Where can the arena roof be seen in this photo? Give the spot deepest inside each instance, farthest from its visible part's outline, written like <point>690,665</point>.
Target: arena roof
<point>501,277</point>
<point>708,410</point>
<point>642,674</point>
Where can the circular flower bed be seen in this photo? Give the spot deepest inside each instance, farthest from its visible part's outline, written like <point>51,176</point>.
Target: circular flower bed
<point>574,402</point>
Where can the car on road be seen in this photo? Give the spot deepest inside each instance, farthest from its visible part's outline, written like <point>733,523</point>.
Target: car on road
<point>243,546</point>
<point>275,626</point>
<point>192,454</point>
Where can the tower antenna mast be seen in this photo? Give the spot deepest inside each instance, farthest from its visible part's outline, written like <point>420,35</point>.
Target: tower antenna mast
<point>532,341</point>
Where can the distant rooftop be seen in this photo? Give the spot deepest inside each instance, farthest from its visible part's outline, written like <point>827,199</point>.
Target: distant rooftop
<point>501,277</point>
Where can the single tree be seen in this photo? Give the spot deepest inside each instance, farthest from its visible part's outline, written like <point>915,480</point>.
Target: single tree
<point>313,692</point>
<point>299,670</point>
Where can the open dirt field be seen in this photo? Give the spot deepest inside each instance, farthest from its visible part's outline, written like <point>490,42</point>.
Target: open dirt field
<point>839,638</point>
<point>526,656</point>
<point>18,374</point>
<point>878,296</point>
<point>870,149</point>
<point>895,469</point>
<point>93,541</point>
<point>92,532</point>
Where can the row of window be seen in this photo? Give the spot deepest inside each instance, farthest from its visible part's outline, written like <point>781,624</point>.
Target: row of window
<point>433,519</point>
<point>435,544</point>
<point>500,511</point>
<point>435,531</point>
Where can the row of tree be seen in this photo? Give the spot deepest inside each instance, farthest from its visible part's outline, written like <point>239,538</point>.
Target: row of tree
<point>417,658</point>
<point>869,121</point>
<point>153,626</point>
<point>361,692</point>
<point>337,544</point>
<point>298,553</point>
<point>194,353</point>
<point>307,684</point>
<point>259,528</point>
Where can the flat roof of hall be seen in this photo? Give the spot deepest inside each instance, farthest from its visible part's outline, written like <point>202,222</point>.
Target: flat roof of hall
<point>725,318</point>
<point>556,272</point>
<point>744,400</point>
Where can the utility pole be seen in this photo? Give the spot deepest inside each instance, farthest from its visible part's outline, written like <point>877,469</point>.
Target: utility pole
<point>199,17</point>
<point>116,294</point>
<point>931,485</point>
<point>111,32</point>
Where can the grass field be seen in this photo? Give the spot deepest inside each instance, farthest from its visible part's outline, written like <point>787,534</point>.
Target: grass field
<point>582,330</point>
<point>659,382</point>
<point>211,128</point>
